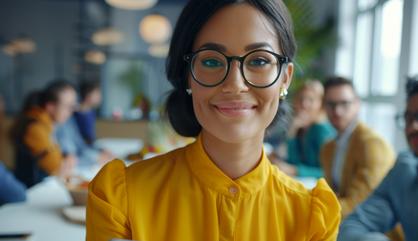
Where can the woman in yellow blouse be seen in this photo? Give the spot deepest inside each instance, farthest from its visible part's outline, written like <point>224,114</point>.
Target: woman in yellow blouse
<point>229,63</point>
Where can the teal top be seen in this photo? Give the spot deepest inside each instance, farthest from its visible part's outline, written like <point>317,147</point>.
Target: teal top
<point>303,151</point>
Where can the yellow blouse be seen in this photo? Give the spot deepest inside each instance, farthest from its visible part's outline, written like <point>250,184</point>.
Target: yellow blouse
<point>184,196</point>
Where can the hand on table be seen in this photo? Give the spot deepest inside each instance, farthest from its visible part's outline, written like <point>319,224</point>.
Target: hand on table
<point>105,156</point>
<point>68,165</point>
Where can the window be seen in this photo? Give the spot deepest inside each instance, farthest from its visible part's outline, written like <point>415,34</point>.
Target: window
<point>377,47</point>
<point>388,32</point>
<point>378,39</point>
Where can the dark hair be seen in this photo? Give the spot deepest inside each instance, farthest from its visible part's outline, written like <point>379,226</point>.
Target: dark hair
<point>335,81</point>
<point>31,100</point>
<point>86,87</point>
<point>411,86</point>
<point>52,91</point>
<point>281,125</point>
<point>196,13</point>
<point>37,98</point>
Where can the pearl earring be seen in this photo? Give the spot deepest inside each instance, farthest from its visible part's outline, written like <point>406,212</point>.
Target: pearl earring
<point>189,91</point>
<point>283,93</point>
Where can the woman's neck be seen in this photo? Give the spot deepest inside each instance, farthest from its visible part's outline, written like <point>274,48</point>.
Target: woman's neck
<point>234,159</point>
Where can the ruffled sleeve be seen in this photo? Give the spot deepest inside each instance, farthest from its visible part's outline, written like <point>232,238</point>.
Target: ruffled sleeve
<point>107,205</point>
<point>325,213</point>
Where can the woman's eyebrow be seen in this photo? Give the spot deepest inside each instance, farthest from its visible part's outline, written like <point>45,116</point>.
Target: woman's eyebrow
<point>214,46</point>
<point>257,46</point>
<point>222,48</point>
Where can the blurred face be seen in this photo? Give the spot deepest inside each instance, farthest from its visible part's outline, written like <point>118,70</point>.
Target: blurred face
<point>94,98</point>
<point>308,101</point>
<point>342,106</point>
<point>411,124</point>
<point>64,108</point>
<point>233,111</point>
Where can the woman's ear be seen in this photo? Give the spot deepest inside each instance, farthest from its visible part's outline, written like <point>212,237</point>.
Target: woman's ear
<point>287,76</point>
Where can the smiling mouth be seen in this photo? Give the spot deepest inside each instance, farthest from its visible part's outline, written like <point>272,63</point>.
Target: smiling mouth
<point>235,109</point>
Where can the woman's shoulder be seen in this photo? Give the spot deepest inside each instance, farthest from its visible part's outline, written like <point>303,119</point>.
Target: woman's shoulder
<point>292,185</point>
<point>293,188</point>
<point>117,173</point>
<point>289,184</point>
<point>325,215</point>
<point>319,205</point>
<point>110,176</point>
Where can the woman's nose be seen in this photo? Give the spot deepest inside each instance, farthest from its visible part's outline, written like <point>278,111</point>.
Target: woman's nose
<point>234,82</point>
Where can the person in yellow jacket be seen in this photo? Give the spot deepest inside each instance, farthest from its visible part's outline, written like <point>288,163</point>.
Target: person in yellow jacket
<point>229,63</point>
<point>358,159</point>
<point>37,154</point>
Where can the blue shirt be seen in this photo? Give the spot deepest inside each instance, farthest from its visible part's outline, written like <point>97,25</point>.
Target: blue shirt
<point>11,190</point>
<point>86,123</point>
<point>71,142</point>
<point>304,151</point>
<point>395,200</point>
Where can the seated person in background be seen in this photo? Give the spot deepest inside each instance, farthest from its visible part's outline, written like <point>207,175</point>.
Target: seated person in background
<point>72,143</point>
<point>396,198</point>
<point>37,154</point>
<point>85,116</point>
<point>308,132</point>
<point>11,190</point>
<point>357,160</point>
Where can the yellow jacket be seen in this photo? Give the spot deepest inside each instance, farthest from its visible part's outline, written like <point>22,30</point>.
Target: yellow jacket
<point>40,141</point>
<point>184,196</point>
<point>368,159</point>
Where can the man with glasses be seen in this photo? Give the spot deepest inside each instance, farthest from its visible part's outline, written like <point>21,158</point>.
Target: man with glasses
<point>395,199</point>
<point>356,161</point>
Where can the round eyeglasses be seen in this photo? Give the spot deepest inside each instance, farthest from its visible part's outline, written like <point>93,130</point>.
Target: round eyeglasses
<point>259,68</point>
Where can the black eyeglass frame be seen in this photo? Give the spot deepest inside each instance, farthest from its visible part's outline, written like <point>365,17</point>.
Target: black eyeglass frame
<point>280,59</point>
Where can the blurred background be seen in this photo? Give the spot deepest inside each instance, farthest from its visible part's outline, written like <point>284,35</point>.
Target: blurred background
<point>373,42</point>
<point>122,45</point>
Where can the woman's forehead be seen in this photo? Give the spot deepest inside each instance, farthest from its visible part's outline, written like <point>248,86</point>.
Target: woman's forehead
<point>236,27</point>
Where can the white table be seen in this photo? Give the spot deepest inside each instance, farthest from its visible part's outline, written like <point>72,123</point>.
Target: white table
<point>120,147</point>
<point>41,214</point>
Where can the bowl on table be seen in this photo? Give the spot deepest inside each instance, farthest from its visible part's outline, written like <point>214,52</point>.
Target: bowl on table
<point>78,191</point>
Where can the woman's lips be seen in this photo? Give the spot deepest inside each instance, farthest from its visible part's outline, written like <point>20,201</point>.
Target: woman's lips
<point>235,109</point>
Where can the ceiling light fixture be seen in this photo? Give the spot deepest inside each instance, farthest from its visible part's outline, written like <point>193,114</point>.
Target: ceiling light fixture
<point>132,4</point>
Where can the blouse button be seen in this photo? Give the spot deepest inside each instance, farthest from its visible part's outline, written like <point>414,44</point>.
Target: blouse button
<point>233,190</point>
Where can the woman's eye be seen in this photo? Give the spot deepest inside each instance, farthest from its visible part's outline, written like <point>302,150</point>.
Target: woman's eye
<point>258,62</point>
<point>211,63</point>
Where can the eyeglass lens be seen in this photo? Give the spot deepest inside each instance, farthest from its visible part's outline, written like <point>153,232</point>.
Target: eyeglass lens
<point>259,68</point>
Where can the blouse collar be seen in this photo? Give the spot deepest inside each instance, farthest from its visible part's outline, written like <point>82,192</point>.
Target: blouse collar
<point>213,177</point>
